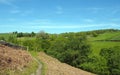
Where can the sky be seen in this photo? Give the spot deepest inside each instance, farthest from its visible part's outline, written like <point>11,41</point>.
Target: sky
<point>58,16</point>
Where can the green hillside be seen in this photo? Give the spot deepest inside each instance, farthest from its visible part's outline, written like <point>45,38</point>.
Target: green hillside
<point>107,36</point>
<point>97,45</point>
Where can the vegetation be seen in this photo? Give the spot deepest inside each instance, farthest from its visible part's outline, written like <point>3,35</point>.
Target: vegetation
<point>112,56</point>
<point>31,68</point>
<point>93,51</point>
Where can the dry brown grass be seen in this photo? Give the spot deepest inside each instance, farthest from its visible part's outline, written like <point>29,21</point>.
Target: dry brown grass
<point>55,67</point>
<point>11,59</point>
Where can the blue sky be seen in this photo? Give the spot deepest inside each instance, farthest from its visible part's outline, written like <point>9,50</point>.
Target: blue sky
<point>57,16</point>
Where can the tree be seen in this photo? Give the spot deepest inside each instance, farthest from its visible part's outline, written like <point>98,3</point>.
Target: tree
<point>15,32</point>
<point>2,38</point>
<point>43,35</point>
<point>70,48</point>
<point>112,55</point>
<point>96,64</point>
<point>32,34</point>
<point>94,34</point>
<point>20,34</point>
<point>12,39</point>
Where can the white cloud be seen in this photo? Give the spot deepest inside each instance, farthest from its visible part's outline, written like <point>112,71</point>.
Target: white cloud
<point>21,12</point>
<point>114,11</point>
<point>7,26</point>
<point>91,9</point>
<point>59,10</point>
<point>8,2</point>
<point>5,2</point>
<point>63,26</point>
<point>70,26</point>
<point>24,27</point>
<point>115,19</point>
<point>39,21</point>
<point>26,12</point>
<point>96,10</point>
<point>12,19</point>
<point>88,20</point>
<point>15,11</point>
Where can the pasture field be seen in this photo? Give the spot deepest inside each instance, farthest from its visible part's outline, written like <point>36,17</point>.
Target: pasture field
<point>106,36</point>
<point>98,45</point>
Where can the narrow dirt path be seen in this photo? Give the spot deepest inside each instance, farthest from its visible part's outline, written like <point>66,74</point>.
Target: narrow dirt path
<point>55,67</point>
<point>39,70</point>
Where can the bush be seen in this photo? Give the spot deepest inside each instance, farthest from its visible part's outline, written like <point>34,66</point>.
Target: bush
<point>96,64</point>
<point>112,56</point>
<point>72,50</point>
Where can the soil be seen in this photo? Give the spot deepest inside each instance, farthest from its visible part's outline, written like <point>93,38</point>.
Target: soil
<point>55,67</point>
<point>12,59</point>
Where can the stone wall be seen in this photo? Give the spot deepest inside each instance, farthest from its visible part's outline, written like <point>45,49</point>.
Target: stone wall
<point>12,45</point>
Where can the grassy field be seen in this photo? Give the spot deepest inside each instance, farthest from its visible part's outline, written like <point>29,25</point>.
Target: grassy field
<point>7,34</point>
<point>106,36</point>
<point>96,46</point>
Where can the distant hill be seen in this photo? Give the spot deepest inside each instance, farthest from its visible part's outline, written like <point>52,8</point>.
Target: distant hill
<point>107,36</point>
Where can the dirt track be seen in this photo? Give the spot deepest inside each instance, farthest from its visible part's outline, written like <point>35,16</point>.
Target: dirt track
<point>55,67</point>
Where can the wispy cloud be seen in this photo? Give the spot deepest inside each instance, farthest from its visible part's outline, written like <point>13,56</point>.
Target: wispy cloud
<point>88,20</point>
<point>66,28</point>
<point>59,10</point>
<point>115,10</point>
<point>15,11</point>
<point>8,2</point>
<point>82,26</point>
<point>96,10</point>
<point>11,19</point>
<point>91,9</point>
<point>40,21</point>
<point>26,12</point>
<point>21,12</point>
<point>63,27</point>
<point>115,19</point>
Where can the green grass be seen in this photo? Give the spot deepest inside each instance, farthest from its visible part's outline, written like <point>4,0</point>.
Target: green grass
<point>7,34</point>
<point>106,36</point>
<point>28,38</point>
<point>97,46</point>
<point>35,54</point>
<point>44,68</point>
<point>116,38</point>
<point>31,68</point>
